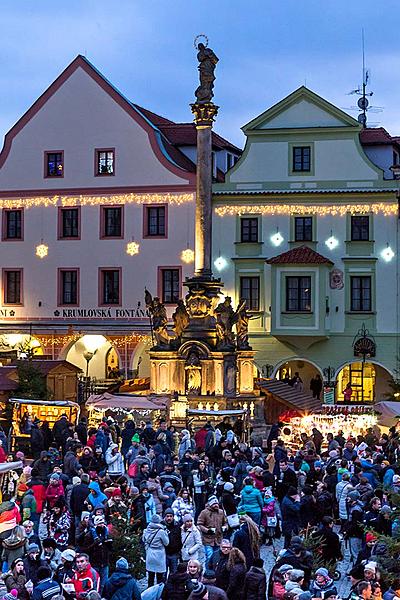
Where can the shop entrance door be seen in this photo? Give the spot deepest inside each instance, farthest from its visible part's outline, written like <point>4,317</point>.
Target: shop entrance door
<point>361,376</point>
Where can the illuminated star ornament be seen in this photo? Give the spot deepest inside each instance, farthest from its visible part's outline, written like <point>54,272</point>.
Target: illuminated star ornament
<point>220,263</point>
<point>331,242</point>
<point>132,248</point>
<point>42,250</point>
<point>187,256</point>
<point>277,239</point>
<point>387,254</point>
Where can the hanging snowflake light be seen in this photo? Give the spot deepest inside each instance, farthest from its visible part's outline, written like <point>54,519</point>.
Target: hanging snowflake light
<point>42,250</point>
<point>187,256</point>
<point>132,248</point>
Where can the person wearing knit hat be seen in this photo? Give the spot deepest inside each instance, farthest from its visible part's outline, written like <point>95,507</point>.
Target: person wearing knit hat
<point>199,592</point>
<point>136,439</point>
<point>229,487</point>
<point>322,584</point>
<point>212,524</point>
<point>212,501</point>
<point>85,515</point>
<point>68,554</point>
<point>370,571</point>
<point>370,538</point>
<point>121,583</point>
<point>122,563</point>
<point>76,480</point>
<point>155,538</point>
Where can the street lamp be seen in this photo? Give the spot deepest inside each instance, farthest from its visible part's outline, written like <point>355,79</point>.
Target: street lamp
<point>87,355</point>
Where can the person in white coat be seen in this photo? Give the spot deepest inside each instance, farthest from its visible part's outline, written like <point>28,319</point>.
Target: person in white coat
<point>192,546</point>
<point>155,538</point>
<point>115,462</point>
<point>185,443</point>
<point>343,488</point>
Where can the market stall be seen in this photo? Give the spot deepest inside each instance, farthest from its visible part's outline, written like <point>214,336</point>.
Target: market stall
<point>44,410</point>
<point>198,417</point>
<point>352,420</point>
<point>122,405</point>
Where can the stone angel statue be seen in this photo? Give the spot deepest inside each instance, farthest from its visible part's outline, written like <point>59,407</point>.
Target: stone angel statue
<point>225,316</point>
<point>180,318</point>
<point>158,317</point>
<point>242,319</point>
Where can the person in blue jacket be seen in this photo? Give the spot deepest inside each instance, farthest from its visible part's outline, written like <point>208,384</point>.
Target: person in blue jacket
<point>121,585</point>
<point>251,501</point>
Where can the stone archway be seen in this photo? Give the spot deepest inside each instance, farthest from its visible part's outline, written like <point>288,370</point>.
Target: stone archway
<point>369,381</point>
<point>306,368</point>
<point>98,345</point>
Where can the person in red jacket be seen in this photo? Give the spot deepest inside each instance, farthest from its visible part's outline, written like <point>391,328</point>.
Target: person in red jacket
<point>55,490</point>
<point>85,578</point>
<point>39,490</point>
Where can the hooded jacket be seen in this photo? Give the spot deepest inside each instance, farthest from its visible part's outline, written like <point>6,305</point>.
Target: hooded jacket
<point>115,462</point>
<point>99,499</point>
<point>121,586</point>
<point>54,492</point>
<point>251,499</point>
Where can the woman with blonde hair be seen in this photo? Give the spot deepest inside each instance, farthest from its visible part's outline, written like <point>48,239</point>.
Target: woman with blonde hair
<point>236,567</point>
<point>183,505</point>
<point>247,539</point>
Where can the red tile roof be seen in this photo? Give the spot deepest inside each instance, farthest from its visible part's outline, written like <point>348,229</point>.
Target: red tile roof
<point>184,134</point>
<point>372,136</point>
<point>302,255</point>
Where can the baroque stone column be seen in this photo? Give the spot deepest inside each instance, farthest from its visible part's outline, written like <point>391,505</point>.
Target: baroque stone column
<point>204,115</point>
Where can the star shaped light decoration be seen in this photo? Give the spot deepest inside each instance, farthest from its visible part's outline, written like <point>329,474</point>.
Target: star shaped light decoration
<point>42,250</point>
<point>132,248</point>
<point>187,256</point>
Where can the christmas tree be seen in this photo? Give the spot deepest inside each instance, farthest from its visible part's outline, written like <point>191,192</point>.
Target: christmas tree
<point>127,543</point>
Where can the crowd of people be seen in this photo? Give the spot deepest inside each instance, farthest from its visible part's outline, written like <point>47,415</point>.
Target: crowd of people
<point>202,504</point>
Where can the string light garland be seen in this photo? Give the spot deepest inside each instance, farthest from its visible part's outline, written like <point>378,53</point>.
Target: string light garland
<point>82,200</point>
<point>119,342</point>
<point>308,209</point>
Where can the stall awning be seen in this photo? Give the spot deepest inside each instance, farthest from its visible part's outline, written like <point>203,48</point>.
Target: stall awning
<point>129,402</point>
<point>44,402</point>
<point>289,396</point>
<point>389,412</point>
<point>218,413</point>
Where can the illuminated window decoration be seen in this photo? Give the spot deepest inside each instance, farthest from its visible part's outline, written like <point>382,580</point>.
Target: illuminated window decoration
<point>220,263</point>
<point>276,239</point>
<point>42,250</point>
<point>187,256</point>
<point>387,209</point>
<point>132,248</point>
<point>332,242</point>
<point>82,200</point>
<point>387,254</point>
<point>118,342</point>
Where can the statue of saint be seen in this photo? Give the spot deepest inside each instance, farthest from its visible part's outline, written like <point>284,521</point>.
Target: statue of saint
<point>180,318</point>
<point>207,62</point>
<point>193,374</point>
<point>159,319</point>
<point>225,319</point>
<point>242,319</point>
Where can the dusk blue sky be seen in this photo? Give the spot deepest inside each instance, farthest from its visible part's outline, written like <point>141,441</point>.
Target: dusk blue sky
<point>145,48</point>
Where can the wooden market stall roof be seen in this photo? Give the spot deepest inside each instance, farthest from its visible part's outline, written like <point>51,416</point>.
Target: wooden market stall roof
<point>287,396</point>
<point>128,401</point>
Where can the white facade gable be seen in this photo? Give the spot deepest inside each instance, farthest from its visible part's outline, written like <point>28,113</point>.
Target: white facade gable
<point>78,118</point>
<point>302,114</point>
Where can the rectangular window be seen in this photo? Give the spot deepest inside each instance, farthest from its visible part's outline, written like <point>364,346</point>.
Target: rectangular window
<point>155,221</point>
<point>301,158</point>
<point>298,294</point>
<point>360,294</point>
<point>250,291</point>
<point>12,286</point>
<point>231,160</point>
<point>54,165</point>
<point>68,286</point>
<point>248,229</point>
<point>69,227</point>
<point>112,222</point>
<point>360,228</point>
<point>303,229</point>
<point>110,286</point>
<point>170,281</point>
<point>12,224</point>
<point>105,162</point>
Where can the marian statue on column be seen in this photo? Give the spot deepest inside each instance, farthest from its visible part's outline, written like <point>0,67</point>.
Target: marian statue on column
<point>207,63</point>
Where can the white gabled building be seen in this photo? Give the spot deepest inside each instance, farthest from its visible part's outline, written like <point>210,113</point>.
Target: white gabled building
<point>83,174</point>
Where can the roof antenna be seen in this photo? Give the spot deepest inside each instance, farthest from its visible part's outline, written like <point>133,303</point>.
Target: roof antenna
<point>363,102</point>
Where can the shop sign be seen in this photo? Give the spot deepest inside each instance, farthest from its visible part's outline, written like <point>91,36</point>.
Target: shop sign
<point>364,344</point>
<point>329,395</point>
<point>101,313</point>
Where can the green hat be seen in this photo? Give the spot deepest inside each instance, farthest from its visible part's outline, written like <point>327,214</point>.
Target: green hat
<point>136,438</point>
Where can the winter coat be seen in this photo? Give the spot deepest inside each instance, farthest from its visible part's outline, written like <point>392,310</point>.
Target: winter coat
<point>155,538</point>
<point>149,507</point>
<point>343,488</point>
<point>115,462</point>
<point>218,563</point>
<point>59,528</point>
<point>28,505</point>
<point>235,589</point>
<point>211,518</point>
<point>46,589</point>
<point>71,464</point>
<point>185,444</point>
<point>176,587</point>
<point>158,496</point>
<point>52,561</point>
<point>251,499</point>
<point>191,543</point>
<point>182,507</point>
<point>126,436</point>
<point>228,503</point>
<point>17,582</point>
<point>320,591</point>
<point>31,568</point>
<point>121,586</point>
<point>290,515</point>
<point>86,580</point>
<point>240,473</point>
<point>307,511</point>
<point>79,494</point>
<point>54,492</point>
<point>175,540</point>
<point>241,540</point>
<point>255,584</point>
<point>99,499</point>
<point>200,484</point>
<point>215,593</point>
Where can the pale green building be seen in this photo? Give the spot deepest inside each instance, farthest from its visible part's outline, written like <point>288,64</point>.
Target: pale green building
<point>306,228</point>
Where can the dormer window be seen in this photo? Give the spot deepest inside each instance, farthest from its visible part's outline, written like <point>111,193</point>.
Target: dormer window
<point>54,164</point>
<point>301,159</point>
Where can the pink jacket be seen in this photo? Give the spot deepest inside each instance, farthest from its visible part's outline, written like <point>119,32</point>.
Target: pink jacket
<point>54,492</point>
